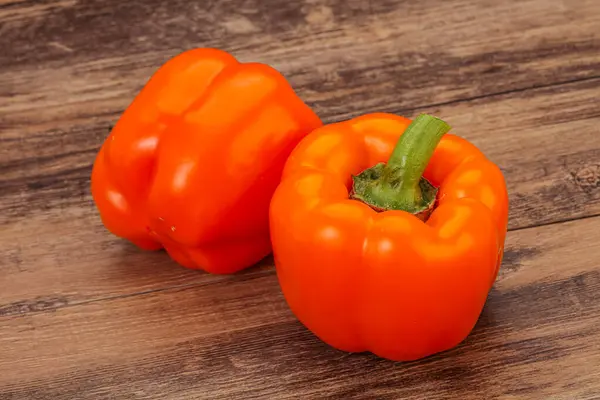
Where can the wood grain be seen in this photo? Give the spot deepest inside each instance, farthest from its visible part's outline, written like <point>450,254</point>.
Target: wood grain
<point>86,315</point>
<point>237,339</point>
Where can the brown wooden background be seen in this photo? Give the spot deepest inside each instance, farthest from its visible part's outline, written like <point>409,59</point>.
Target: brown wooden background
<point>84,315</point>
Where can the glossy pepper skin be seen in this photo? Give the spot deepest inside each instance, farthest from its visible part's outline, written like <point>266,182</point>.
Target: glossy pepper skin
<point>386,282</point>
<point>192,163</point>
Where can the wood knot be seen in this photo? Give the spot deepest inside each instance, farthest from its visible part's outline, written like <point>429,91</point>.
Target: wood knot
<point>587,177</point>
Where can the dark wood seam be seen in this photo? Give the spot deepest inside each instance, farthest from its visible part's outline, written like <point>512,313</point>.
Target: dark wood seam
<point>489,95</point>
<point>561,221</point>
<point>4,312</point>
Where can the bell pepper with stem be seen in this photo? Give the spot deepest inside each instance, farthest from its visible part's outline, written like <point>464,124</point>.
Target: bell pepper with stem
<point>388,234</point>
<point>192,163</point>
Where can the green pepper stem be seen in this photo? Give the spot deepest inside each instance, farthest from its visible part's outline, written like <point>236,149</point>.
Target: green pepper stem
<point>399,184</point>
<point>414,150</point>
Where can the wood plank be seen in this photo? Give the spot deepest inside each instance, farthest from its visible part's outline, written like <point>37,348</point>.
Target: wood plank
<point>344,57</point>
<point>545,140</point>
<point>237,339</point>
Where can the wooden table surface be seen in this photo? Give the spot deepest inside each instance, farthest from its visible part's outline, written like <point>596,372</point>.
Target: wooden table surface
<point>85,315</point>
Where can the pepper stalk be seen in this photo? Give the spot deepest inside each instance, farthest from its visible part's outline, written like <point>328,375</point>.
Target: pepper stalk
<point>399,184</point>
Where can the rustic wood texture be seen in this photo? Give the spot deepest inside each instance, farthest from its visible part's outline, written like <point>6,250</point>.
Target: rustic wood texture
<point>84,315</point>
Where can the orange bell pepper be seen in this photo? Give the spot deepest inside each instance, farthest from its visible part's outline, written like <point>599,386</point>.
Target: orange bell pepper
<point>192,163</point>
<point>395,257</point>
